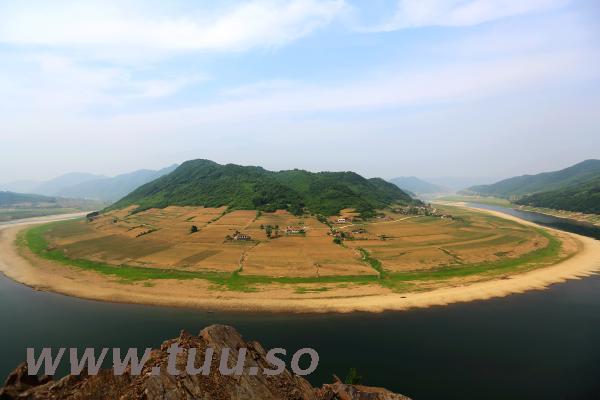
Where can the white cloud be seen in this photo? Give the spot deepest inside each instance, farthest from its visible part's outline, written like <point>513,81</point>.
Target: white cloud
<point>48,83</point>
<point>421,13</point>
<point>387,90</point>
<point>256,23</point>
<point>260,88</point>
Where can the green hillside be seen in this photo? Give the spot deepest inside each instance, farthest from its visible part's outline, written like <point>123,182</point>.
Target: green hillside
<point>548,181</point>
<point>206,183</point>
<point>583,197</point>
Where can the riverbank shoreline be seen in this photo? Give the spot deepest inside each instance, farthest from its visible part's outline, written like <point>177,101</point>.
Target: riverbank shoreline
<point>47,276</point>
<point>584,219</point>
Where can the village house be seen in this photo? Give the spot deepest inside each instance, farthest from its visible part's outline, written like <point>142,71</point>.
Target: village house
<point>343,220</point>
<point>241,236</point>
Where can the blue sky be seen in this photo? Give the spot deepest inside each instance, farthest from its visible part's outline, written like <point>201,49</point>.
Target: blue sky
<point>385,88</point>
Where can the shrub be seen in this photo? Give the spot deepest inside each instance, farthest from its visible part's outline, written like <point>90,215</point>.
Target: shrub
<point>353,378</point>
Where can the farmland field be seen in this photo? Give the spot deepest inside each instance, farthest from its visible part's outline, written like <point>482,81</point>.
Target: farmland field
<point>395,251</point>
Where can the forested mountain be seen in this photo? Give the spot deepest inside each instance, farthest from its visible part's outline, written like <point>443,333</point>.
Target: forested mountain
<point>582,197</point>
<point>206,183</point>
<point>548,181</point>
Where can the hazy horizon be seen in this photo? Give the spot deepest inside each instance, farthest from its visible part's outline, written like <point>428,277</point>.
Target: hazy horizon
<point>451,182</point>
<point>473,88</point>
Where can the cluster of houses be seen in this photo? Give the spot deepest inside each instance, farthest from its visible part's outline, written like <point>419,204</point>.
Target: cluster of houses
<point>359,232</point>
<point>426,210</point>
<point>289,230</point>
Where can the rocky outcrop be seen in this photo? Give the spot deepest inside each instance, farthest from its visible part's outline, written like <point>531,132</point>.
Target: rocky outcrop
<point>214,386</point>
<point>341,391</point>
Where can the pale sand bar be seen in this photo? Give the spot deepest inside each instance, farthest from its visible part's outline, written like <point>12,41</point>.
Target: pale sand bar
<point>48,276</point>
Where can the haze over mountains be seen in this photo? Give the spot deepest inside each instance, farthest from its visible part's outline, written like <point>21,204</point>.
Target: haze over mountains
<point>88,186</point>
<point>203,182</point>
<point>417,185</point>
<point>206,183</point>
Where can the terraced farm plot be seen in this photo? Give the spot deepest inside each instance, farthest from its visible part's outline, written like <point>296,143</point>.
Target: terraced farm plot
<point>397,251</point>
<point>423,243</point>
<point>304,256</point>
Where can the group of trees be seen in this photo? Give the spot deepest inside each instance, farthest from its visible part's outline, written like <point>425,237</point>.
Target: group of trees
<point>270,230</point>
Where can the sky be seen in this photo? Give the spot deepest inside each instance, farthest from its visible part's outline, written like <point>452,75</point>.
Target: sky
<point>467,88</point>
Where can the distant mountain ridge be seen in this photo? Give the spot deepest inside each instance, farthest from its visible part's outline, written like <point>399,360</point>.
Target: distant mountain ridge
<point>112,189</point>
<point>206,183</point>
<point>11,199</point>
<point>89,186</point>
<point>548,181</point>
<point>56,186</point>
<point>417,185</point>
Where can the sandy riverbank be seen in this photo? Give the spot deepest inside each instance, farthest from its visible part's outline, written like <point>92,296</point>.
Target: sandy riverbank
<point>45,275</point>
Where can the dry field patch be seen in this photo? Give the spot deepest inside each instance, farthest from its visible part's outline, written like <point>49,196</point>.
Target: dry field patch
<point>162,239</point>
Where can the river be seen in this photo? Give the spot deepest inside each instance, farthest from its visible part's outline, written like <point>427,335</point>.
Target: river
<point>536,345</point>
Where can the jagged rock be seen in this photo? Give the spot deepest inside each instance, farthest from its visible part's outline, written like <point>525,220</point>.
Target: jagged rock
<point>214,386</point>
<point>341,391</point>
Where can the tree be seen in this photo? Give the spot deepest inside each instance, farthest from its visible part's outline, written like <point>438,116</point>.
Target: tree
<point>337,240</point>
<point>353,378</point>
<point>268,230</point>
<point>193,229</point>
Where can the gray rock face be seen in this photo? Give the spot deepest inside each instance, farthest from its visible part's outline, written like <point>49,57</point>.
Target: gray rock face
<point>214,386</point>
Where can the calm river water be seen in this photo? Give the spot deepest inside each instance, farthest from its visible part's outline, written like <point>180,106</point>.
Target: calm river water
<point>537,345</point>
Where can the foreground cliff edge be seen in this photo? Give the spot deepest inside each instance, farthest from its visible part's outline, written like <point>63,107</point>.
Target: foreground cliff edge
<point>86,284</point>
<point>215,386</point>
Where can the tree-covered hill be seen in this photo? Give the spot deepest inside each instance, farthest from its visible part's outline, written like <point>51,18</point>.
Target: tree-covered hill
<point>583,197</point>
<point>206,183</point>
<point>548,181</point>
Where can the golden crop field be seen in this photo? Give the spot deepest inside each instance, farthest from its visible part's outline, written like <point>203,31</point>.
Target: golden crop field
<point>163,238</point>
